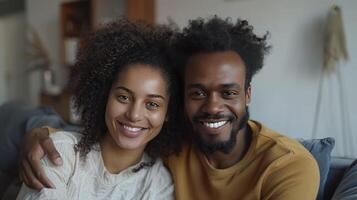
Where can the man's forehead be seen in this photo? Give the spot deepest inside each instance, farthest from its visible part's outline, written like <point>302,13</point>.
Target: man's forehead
<point>236,86</point>
<point>217,66</point>
<point>215,57</point>
<point>214,60</point>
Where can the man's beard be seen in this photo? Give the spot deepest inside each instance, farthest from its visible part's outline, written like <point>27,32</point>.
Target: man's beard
<point>223,146</point>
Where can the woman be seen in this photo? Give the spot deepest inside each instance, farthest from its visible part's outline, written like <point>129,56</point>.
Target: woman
<point>124,91</point>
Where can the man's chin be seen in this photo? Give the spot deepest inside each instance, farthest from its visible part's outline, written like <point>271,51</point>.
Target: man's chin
<point>212,135</point>
<point>212,145</point>
<point>209,144</point>
<point>213,139</point>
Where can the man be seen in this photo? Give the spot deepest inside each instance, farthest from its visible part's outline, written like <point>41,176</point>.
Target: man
<point>226,155</point>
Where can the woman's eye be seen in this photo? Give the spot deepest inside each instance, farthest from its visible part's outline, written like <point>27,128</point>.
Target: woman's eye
<point>123,98</point>
<point>152,106</point>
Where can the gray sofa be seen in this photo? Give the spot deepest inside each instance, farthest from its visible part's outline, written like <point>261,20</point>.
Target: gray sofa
<point>16,120</point>
<point>338,167</point>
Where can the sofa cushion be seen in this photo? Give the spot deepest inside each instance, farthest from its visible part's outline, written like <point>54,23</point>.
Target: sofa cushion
<point>321,150</point>
<point>15,120</point>
<point>347,189</point>
<point>338,167</point>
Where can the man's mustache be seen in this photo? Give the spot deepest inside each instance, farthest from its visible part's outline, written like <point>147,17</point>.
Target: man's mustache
<point>207,116</point>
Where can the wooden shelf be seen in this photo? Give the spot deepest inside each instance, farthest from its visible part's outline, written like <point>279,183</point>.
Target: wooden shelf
<point>141,10</point>
<point>76,21</point>
<point>75,18</point>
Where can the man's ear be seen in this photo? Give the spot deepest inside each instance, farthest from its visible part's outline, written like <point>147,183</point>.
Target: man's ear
<point>248,93</point>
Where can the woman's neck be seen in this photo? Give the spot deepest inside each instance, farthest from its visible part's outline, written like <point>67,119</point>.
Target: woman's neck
<point>117,159</point>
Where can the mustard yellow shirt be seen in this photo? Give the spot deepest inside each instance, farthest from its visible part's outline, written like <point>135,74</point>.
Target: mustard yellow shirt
<point>275,167</point>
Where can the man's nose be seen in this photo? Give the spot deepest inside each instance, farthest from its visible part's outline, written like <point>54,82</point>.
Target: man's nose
<point>213,105</point>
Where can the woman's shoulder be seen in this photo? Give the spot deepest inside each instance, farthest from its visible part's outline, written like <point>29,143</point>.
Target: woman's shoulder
<point>161,180</point>
<point>65,137</point>
<point>158,171</point>
<point>64,143</point>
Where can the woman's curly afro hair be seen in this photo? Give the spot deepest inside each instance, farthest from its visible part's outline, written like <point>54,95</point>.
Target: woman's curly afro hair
<point>217,35</point>
<point>102,56</point>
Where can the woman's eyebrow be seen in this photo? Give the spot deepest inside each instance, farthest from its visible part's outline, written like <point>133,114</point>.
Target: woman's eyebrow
<point>149,95</point>
<point>123,88</point>
<point>156,96</point>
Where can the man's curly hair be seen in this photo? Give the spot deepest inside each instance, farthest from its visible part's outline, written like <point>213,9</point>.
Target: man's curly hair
<point>102,56</point>
<point>217,35</point>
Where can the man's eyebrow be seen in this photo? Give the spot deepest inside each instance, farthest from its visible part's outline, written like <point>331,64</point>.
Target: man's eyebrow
<point>225,85</point>
<point>231,85</point>
<point>195,85</point>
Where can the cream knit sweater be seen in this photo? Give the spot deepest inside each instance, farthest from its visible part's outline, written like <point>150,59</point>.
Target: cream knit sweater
<point>79,179</point>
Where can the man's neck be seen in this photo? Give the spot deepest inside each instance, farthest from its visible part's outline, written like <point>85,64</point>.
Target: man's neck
<point>221,160</point>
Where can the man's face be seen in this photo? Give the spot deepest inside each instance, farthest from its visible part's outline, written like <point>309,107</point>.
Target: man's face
<point>215,99</point>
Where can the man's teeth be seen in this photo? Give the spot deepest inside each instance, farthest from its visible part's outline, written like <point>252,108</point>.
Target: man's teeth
<point>133,129</point>
<point>214,124</point>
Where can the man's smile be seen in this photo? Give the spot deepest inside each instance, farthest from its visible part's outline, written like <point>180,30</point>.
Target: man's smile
<point>214,124</point>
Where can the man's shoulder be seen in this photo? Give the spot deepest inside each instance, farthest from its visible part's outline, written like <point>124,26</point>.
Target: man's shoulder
<point>284,162</point>
<point>187,153</point>
<point>278,146</point>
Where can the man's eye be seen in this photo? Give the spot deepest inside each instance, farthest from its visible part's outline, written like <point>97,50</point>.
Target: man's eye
<point>123,98</point>
<point>230,94</point>
<point>152,106</point>
<point>197,94</point>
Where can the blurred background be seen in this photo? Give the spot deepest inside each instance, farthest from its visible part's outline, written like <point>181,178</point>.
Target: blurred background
<point>294,93</point>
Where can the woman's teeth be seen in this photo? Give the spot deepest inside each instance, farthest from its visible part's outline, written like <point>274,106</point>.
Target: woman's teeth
<point>132,129</point>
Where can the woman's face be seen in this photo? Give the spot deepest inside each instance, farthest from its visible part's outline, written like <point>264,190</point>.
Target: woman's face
<point>137,106</point>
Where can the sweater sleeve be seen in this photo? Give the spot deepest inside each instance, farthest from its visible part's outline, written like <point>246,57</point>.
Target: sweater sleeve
<point>59,175</point>
<point>293,177</point>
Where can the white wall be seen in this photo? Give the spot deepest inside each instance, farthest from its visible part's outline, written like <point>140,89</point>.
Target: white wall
<point>107,10</point>
<point>13,80</point>
<point>44,17</point>
<point>285,91</point>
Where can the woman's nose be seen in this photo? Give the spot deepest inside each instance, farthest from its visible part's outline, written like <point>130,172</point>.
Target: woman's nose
<point>135,112</point>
